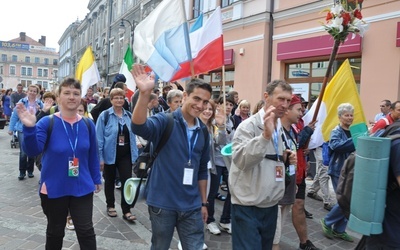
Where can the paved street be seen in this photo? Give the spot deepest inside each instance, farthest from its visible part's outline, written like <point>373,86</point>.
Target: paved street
<point>23,224</point>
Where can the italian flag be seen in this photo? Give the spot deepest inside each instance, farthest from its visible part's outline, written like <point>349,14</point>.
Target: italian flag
<point>125,69</point>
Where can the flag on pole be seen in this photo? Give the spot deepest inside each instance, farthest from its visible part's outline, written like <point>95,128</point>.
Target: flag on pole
<point>162,39</point>
<point>341,89</point>
<point>207,46</point>
<point>125,69</point>
<point>87,72</point>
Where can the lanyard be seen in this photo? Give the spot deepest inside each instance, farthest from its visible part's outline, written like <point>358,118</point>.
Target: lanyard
<point>121,123</point>
<point>275,138</point>
<point>69,138</point>
<point>289,142</point>
<point>191,146</point>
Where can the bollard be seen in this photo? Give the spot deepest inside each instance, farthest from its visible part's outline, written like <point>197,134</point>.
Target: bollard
<point>368,199</point>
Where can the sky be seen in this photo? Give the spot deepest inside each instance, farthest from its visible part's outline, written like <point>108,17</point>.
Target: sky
<point>38,18</point>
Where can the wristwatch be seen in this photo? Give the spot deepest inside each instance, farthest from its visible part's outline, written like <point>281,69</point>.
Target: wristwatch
<point>204,204</point>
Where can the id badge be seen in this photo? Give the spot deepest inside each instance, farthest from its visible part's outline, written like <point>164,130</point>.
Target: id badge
<point>121,140</point>
<point>73,167</point>
<point>279,173</point>
<point>292,169</point>
<point>188,175</point>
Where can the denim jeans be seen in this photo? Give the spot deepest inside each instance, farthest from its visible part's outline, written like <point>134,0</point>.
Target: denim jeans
<point>253,227</point>
<point>189,225</point>
<point>81,211</point>
<point>336,219</point>
<point>25,163</point>
<point>214,187</point>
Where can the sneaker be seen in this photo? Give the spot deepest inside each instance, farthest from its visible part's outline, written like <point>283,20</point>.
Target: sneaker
<point>213,228</point>
<point>21,176</point>
<point>118,185</point>
<point>308,246</point>
<point>70,223</point>
<point>328,232</point>
<point>328,206</point>
<point>343,236</point>
<point>30,175</point>
<point>314,196</point>
<point>226,227</point>
<point>308,214</point>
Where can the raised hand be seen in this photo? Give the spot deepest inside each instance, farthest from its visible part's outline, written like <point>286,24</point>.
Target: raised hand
<point>269,122</point>
<point>48,104</point>
<point>144,81</point>
<point>27,117</point>
<point>220,117</point>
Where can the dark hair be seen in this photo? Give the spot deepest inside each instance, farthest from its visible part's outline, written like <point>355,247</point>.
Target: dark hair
<point>227,99</point>
<point>84,104</point>
<point>120,85</point>
<point>197,83</point>
<point>278,83</point>
<point>68,82</point>
<point>49,94</point>
<point>393,105</point>
<point>8,91</point>
<point>387,102</point>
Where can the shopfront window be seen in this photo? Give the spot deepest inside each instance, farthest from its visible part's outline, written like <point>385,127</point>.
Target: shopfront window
<point>215,80</point>
<point>307,77</point>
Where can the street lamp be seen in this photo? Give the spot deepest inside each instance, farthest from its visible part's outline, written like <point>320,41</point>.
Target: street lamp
<point>122,29</point>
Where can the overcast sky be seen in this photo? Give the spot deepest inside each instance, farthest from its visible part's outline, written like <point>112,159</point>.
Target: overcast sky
<point>38,18</point>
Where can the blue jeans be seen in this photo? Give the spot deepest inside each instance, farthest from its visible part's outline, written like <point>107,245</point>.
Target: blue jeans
<point>336,219</point>
<point>189,225</point>
<point>253,227</point>
<point>81,211</point>
<point>25,163</point>
<point>214,187</point>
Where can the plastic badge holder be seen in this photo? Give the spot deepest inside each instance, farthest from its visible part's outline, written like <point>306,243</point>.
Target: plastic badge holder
<point>357,130</point>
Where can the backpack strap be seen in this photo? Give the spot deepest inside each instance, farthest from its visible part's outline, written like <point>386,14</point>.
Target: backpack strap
<point>49,131</point>
<point>106,117</point>
<point>167,133</point>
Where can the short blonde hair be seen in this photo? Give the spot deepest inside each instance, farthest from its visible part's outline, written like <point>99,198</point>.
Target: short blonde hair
<point>117,92</point>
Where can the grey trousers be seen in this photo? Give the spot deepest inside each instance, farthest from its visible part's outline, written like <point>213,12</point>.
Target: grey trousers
<point>321,179</point>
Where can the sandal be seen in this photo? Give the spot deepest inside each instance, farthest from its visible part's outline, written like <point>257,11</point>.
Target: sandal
<point>111,212</point>
<point>129,217</point>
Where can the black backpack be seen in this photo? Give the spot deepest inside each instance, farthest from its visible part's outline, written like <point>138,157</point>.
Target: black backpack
<point>345,183</point>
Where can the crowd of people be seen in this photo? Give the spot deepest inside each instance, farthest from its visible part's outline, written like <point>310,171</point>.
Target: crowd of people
<point>81,143</point>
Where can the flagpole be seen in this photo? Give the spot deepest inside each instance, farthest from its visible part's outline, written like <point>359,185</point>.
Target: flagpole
<point>325,81</point>
<point>187,39</point>
<point>223,90</point>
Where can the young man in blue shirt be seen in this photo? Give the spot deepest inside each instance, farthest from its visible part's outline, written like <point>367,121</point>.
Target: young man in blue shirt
<point>176,186</point>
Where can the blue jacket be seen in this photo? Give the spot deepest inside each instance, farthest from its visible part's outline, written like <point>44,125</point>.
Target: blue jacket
<point>165,187</point>
<point>55,159</point>
<point>341,147</point>
<point>107,136</point>
<point>15,123</point>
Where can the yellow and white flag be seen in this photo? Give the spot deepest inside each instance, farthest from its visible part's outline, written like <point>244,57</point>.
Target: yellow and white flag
<point>341,89</point>
<point>87,72</point>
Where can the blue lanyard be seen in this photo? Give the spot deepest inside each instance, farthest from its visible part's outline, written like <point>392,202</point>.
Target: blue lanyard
<point>121,123</point>
<point>69,138</point>
<point>191,146</point>
<point>276,145</point>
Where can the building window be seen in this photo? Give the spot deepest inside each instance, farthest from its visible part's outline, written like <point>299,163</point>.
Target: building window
<point>29,71</point>
<point>45,72</point>
<point>1,70</point>
<point>40,72</point>
<point>215,80</point>
<point>45,85</point>
<point>23,71</point>
<point>225,3</point>
<point>3,57</point>
<point>12,70</point>
<point>46,61</point>
<point>27,59</point>
<point>14,58</point>
<point>307,77</point>
<point>197,8</point>
<point>55,62</point>
<point>37,60</point>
